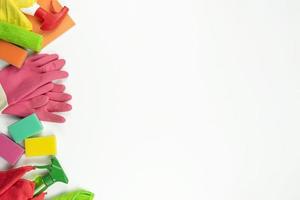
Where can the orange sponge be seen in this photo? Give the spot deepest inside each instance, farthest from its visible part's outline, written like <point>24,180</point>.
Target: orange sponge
<point>12,54</point>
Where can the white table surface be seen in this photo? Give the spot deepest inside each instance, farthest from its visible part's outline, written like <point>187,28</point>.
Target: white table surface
<point>181,99</point>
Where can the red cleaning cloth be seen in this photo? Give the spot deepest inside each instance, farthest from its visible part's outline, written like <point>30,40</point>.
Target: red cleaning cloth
<point>10,177</point>
<point>21,190</point>
<point>13,187</point>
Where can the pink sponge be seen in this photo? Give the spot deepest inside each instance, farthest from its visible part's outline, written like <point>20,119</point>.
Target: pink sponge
<point>9,150</point>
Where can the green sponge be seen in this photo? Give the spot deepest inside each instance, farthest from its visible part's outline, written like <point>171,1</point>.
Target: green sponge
<point>25,128</point>
<point>76,195</point>
<point>20,36</point>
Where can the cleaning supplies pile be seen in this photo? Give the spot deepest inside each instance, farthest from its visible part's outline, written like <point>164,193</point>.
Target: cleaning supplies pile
<point>28,90</point>
<point>12,186</point>
<point>30,25</point>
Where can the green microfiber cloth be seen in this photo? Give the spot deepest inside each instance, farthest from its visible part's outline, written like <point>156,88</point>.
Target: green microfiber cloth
<point>20,36</point>
<point>76,195</point>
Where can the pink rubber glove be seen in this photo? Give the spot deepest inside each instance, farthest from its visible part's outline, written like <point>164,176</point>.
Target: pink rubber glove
<point>36,71</point>
<point>43,105</point>
<point>49,87</point>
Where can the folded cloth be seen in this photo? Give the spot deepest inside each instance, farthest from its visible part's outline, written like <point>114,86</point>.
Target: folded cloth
<point>13,187</point>
<point>10,177</point>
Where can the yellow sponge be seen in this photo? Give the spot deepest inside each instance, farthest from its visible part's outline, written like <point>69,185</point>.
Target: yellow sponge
<point>10,13</point>
<point>40,146</point>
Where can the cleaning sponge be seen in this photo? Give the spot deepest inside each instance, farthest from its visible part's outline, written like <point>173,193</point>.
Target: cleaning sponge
<point>25,128</point>
<point>9,150</point>
<point>12,54</point>
<point>40,146</point>
<point>20,36</point>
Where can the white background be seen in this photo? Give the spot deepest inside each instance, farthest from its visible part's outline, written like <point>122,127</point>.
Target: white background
<point>181,99</point>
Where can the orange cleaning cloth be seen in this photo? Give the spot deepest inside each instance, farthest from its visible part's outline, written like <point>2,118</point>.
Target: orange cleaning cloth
<point>15,55</point>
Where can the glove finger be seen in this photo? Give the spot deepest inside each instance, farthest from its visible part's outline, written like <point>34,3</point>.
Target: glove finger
<point>54,106</point>
<point>35,57</point>
<point>41,90</point>
<point>49,117</point>
<point>53,75</point>
<point>39,101</point>
<point>43,60</point>
<point>32,85</point>
<point>58,88</point>
<point>25,108</point>
<point>52,66</point>
<point>59,96</point>
<point>21,109</point>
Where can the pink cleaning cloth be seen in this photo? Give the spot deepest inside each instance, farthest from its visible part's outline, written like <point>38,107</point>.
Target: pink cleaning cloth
<point>9,150</point>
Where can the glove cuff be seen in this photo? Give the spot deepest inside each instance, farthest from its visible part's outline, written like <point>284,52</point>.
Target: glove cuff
<point>3,99</point>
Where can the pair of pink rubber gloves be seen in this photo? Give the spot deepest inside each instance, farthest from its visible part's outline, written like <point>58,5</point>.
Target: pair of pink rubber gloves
<point>13,187</point>
<point>31,89</point>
